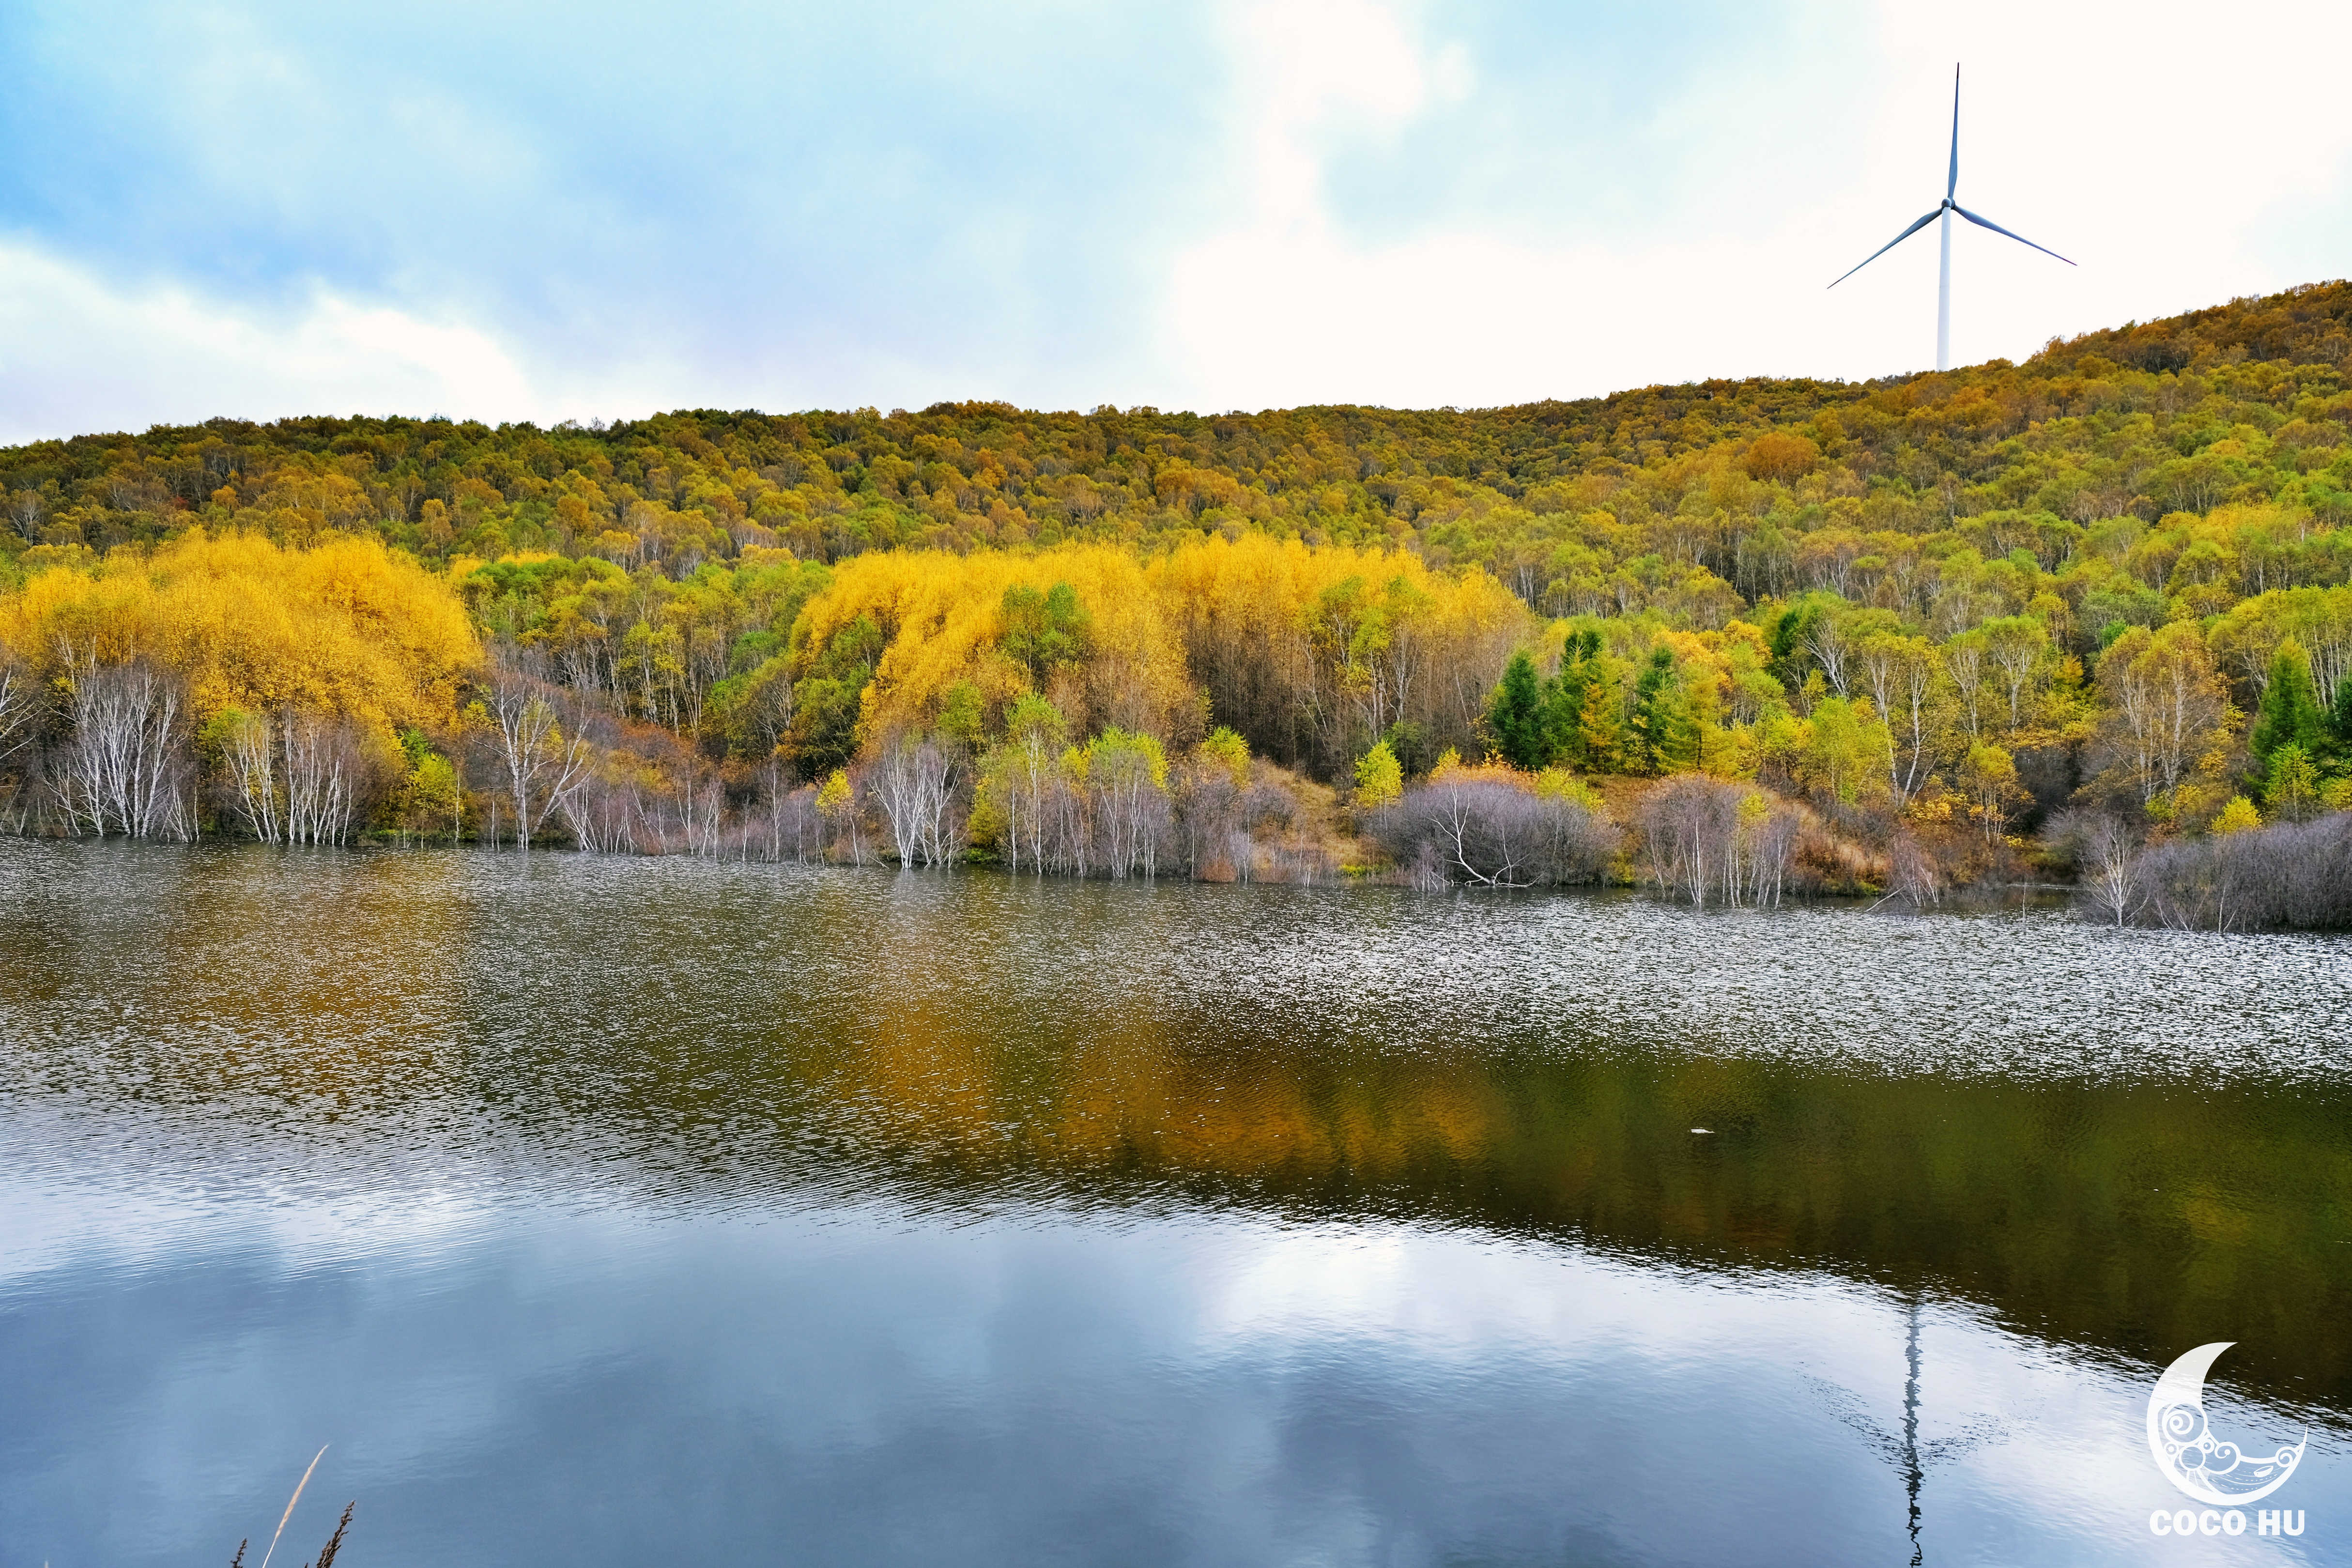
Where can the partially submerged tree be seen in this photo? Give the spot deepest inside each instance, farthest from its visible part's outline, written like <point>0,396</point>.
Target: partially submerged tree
<point>540,762</point>
<point>125,766</point>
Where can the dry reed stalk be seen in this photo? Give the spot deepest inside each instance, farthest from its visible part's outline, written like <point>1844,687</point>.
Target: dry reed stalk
<point>290,1505</point>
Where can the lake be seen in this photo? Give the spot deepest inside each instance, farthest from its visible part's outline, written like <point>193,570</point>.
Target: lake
<point>606,1211</point>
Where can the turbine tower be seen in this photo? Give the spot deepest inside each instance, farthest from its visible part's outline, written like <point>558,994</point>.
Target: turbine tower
<point>1945,212</point>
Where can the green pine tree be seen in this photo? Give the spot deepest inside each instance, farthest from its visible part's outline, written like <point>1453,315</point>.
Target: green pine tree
<point>1564,698</point>
<point>2290,713</point>
<point>2291,786</point>
<point>1664,732</point>
<point>1515,715</point>
<point>2339,725</point>
<point>1598,727</point>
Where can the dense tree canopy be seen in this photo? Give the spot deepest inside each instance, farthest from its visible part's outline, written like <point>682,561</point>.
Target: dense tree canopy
<point>1766,486</point>
<point>2120,573</point>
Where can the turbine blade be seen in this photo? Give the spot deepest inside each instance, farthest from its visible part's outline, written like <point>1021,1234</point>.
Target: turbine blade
<point>1953,183</point>
<point>1988,223</point>
<point>1891,244</point>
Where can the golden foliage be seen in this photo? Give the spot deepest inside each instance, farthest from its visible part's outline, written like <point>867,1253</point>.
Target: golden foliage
<point>2236,818</point>
<point>1955,548</point>
<point>1307,653</point>
<point>346,627</point>
<point>1780,455</point>
<point>943,617</point>
<point>1338,640</point>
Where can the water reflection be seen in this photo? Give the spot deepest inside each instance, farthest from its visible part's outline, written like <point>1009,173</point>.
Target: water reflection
<point>616,1209</point>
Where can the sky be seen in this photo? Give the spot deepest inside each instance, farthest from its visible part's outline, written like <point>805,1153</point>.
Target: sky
<point>586,211</point>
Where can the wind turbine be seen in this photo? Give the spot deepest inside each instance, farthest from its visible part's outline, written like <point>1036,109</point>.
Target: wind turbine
<point>1945,212</point>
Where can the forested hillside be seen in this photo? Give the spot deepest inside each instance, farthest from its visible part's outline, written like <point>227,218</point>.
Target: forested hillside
<point>2232,406</point>
<point>2114,577</point>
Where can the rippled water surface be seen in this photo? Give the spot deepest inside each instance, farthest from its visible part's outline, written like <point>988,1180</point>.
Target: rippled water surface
<point>627,1211</point>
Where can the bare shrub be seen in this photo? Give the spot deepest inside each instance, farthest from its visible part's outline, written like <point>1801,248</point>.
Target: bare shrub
<point>1225,828</point>
<point>1706,838</point>
<point>294,778</point>
<point>697,807</point>
<point>539,757</point>
<point>2105,853</point>
<point>19,714</point>
<point>126,765</point>
<point>2290,876</point>
<point>1022,772</point>
<point>1208,820</point>
<point>1911,874</point>
<point>917,782</point>
<point>1129,805</point>
<point>1106,810</point>
<point>1067,830</point>
<point>324,777</point>
<point>786,823</point>
<point>17,708</point>
<point>606,815</point>
<point>1491,834</point>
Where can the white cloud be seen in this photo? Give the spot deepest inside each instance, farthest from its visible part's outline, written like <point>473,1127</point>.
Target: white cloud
<point>2154,149</point>
<point>2164,153</point>
<point>1310,67</point>
<point>80,352</point>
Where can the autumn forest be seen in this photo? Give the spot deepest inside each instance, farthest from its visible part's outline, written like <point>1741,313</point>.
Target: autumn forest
<point>2085,619</point>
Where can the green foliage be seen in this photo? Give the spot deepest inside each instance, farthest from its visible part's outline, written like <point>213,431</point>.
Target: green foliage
<point>1988,776</point>
<point>1411,742</point>
<point>1768,488</point>
<point>1044,632</point>
<point>1600,727</point>
<point>1790,634</point>
<point>1515,715</point>
<point>1032,716</point>
<point>217,733</point>
<point>1564,696</point>
<point>1664,734</point>
<point>1119,754</point>
<point>2291,784</point>
<point>1576,718</point>
<point>2016,520</point>
<point>1379,778</point>
<point>823,733</point>
<point>752,711</point>
<point>1841,755</point>
<point>430,800</point>
<point>1559,784</point>
<point>836,798</point>
<point>963,715</point>
<point>1226,749</point>
<point>2290,714</point>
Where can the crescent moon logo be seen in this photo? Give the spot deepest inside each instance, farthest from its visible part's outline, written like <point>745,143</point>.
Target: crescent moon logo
<point>2190,1456</point>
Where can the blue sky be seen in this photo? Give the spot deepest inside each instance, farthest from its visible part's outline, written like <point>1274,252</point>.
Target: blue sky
<point>547,212</point>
